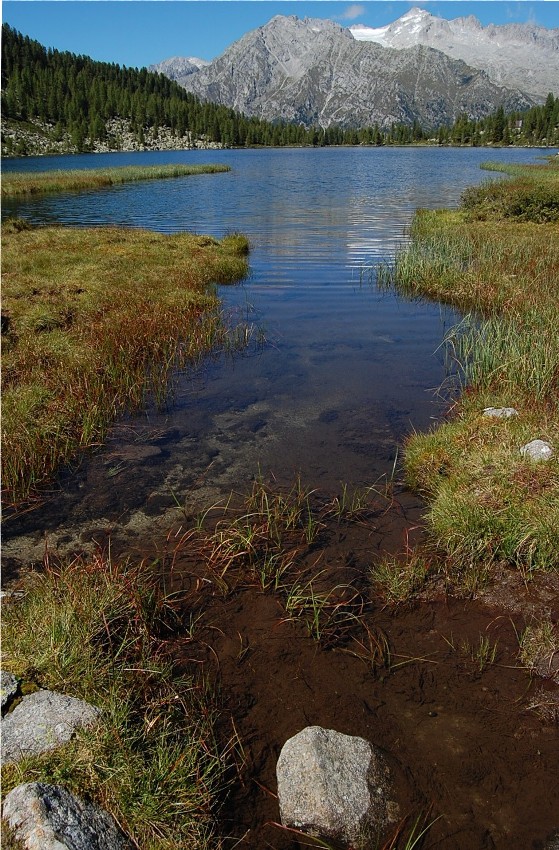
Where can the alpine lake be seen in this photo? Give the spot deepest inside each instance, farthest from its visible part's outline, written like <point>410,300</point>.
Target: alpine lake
<point>334,375</point>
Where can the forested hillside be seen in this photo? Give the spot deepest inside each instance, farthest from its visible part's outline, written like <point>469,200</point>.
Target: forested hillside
<point>56,101</point>
<point>79,96</point>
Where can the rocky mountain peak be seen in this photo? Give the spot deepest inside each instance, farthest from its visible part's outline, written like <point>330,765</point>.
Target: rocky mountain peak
<point>179,66</point>
<point>520,56</point>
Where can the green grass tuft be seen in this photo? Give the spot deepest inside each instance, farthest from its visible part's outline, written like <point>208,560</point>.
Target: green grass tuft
<point>97,633</point>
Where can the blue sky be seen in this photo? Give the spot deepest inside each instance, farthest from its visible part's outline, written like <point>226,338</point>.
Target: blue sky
<point>141,32</point>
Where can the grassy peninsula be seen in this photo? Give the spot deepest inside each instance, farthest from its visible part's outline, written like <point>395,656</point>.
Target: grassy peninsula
<point>32,183</point>
<point>92,318</point>
<point>497,259</point>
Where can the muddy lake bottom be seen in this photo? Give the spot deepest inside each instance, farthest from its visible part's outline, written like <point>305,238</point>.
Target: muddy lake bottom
<point>472,744</point>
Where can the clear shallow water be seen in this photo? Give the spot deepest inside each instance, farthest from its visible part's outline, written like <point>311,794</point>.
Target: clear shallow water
<point>346,372</point>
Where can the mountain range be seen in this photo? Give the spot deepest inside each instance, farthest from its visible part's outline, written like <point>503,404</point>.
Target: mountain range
<point>420,68</point>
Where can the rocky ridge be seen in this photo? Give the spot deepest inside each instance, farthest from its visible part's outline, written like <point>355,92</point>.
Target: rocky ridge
<point>314,72</point>
<point>178,66</point>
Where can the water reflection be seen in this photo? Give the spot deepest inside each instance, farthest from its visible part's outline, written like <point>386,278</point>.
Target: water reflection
<point>347,371</point>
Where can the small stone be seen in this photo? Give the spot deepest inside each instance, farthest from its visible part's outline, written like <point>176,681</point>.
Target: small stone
<point>43,721</point>
<point>48,817</point>
<point>500,412</point>
<point>537,450</point>
<point>8,687</point>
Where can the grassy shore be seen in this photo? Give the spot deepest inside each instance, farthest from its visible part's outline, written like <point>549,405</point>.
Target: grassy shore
<point>30,183</point>
<point>98,633</point>
<point>92,319</point>
<point>497,259</point>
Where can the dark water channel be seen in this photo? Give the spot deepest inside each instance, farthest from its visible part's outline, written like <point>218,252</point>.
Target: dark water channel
<point>345,373</point>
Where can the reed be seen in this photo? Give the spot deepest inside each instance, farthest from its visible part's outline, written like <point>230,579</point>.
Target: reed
<point>487,503</point>
<point>76,180</point>
<point>93,321</point>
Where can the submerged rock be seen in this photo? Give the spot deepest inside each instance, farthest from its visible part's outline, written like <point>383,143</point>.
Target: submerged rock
<point>537,450</point>
<point>552,842</point>
<point>500,412</point>
<point>48,817</point>
<point>333,785</point>
<point>43,721</point>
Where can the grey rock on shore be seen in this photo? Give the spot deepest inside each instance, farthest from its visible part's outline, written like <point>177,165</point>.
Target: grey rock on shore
<point>43,721</point>
<point>8,687</point>
<point>537,450</point>
<point>48,817</point>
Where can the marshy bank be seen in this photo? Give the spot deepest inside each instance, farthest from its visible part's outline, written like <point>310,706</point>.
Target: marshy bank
<point>497,256</point>
<point>93,320</point>
<point>31,183</point>
<point>282,600</point>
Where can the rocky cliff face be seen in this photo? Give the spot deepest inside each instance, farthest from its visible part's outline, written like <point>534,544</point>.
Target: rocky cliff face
<point>315,72</point>
<point>515,55</point>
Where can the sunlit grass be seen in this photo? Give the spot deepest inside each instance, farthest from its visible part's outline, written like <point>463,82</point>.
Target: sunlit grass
<point>29,183</point>
<point>487,503</point>
<point>92,319</point>
<point>94,630</point>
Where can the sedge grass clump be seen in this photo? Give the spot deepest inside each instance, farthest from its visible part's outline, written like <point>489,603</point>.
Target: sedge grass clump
<point>95,629</point>
<point>487,503</point>
<point>258,540</point>
<point>522,200</point>
<point>94,319</point>
<point>396,581</point>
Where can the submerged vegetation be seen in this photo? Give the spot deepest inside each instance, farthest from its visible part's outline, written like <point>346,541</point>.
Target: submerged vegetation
<point>30,183</point>
<point>117,634</point>
<point>145,643</point>
<point>498,258</point>
<point>92,319</point>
